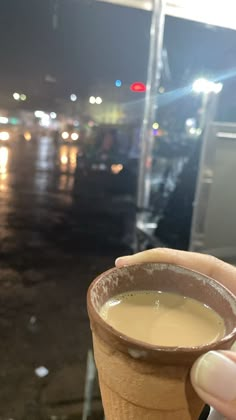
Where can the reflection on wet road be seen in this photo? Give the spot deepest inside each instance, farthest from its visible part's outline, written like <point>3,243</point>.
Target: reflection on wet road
<point>36,189</point>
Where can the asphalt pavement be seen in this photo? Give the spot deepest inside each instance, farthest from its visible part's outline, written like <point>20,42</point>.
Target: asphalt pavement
<point>53,243</point>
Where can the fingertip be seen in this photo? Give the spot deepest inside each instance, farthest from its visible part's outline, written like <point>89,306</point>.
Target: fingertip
<point>120,262</point>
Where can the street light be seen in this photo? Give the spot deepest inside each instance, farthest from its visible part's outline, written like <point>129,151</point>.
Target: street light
<point>98,100</point>
<point>92,100</point>
<point>206,86</point>
<point>23,97</point>
<point>73,97</point>
<point>39,114</point>
<point>53,115</point>
<point>16,96</point>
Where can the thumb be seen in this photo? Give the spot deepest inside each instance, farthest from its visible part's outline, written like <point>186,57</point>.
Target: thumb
<point>213,376</point>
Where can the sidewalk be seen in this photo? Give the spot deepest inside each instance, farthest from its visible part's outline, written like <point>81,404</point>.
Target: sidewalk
<point>44,323</point>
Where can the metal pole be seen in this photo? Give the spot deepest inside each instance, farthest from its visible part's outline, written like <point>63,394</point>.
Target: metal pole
<point>197,231</point>
<point>153,81</point>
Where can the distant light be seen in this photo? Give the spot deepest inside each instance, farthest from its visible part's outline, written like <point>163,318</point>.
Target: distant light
<point>64,159</point>
<point>92,100</point>
<point>4,136</point>
<point>192,130</point>
<point>161,89</point>
<point>206,86</point>
<point>65,135</point>
<point>98,100</point>
<point>218,87</point>
<point>27,136</point>
<point>118,83</point>
<point>91,124</point>
<point>41,371</point>
<point>39,114</point>
<point>53,115</point>
<point>45,122</point>
<point>23,97</point>
<point>14,121</point>
<point>16,96</point>
<point>3,120</point>
<point>155,126</point>
<point>138,87</point>
<point>73,97</point>
<point>190,122</point>
<point>74,136</point>
<point>116,168</point>
<point>76,123</point>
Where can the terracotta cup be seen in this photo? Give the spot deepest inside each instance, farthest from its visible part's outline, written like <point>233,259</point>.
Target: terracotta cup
<point>140,381</point>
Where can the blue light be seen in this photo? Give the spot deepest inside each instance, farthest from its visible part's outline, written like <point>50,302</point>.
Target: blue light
<point>118,83</point>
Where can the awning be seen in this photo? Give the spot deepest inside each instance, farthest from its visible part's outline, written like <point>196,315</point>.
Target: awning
<point>211,12</point>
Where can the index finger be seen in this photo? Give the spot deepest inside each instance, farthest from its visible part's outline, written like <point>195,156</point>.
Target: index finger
<point>206,264</point>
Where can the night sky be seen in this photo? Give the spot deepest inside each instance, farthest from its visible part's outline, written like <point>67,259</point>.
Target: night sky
<point>98,43</point>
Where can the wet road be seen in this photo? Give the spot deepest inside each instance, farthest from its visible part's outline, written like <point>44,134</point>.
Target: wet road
<point>48,256</point>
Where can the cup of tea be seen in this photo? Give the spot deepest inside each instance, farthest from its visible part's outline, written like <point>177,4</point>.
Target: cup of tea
<point>150,322</point>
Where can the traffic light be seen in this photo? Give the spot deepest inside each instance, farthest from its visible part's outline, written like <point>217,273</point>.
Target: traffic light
<point>138,87</point>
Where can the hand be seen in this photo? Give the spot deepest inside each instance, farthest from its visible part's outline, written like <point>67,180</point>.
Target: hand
<point>213,375</point>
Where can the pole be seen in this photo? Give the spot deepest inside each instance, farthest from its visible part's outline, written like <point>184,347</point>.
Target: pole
<point>150,108</point>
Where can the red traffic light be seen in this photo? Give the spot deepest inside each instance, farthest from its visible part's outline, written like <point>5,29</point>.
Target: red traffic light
<point>138,87</point>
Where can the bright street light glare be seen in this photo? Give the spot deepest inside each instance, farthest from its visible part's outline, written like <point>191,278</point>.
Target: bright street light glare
<point>206,86</point>
<point>218,87</point>
<point>98,100</point>
<point>4,136</point>
<point>92,100</point>
<point>73,97</point>
<point>53,115</point>
<point>3,120</point>
<point>39,114</point>
<point>16,96</point>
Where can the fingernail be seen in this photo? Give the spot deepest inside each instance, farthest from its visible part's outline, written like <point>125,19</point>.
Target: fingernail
<point>121,261</point>
<point>215,374</point>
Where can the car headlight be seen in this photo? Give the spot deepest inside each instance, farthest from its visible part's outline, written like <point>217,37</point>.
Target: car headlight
<point>65,135</point>
<point>74,136</point>
<point>4,135</point>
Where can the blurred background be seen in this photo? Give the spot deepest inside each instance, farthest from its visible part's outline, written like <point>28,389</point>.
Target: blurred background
<point>73,83</point>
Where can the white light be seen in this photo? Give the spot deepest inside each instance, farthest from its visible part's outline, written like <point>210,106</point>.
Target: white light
<point>45,122</point>
<point>206,86</point>
<point>218,87</point>
<point>39,114</point>
<point>41,371</point>
<point>190,122</point>
<point>92,100</point>
<point>98,100</point>
<point>74,136</point>
<point>23,97</point>
<point>53,115</point>
<point>16,96</point>
<point>192,130</point>
<point>3,120</point>
<point>64,159</point>
<point>65,135</point>
<point>225,135</point>
<point>155,126</point>
<point>73,97</point>
<point>4,136</point>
